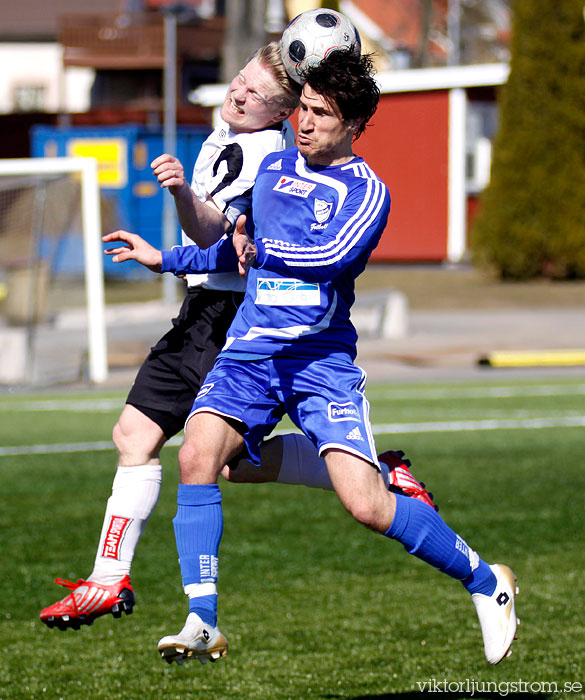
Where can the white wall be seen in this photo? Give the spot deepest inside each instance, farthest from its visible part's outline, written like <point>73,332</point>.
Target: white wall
<point>41,64</point>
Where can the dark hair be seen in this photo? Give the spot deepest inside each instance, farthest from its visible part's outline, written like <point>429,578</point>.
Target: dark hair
<point>347,80</point>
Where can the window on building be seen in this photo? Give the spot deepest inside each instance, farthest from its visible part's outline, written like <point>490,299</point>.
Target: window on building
<point>29,97</point>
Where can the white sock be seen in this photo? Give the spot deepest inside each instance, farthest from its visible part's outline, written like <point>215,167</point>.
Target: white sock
<point>301,464</point>
<point>135,493</point>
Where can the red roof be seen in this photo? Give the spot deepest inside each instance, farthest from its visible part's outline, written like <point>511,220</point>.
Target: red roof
<point>402,20</point>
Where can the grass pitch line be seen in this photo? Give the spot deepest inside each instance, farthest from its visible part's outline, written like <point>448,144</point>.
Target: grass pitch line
<point>488,392</point>
<point>66,404</point>
<point>66,447</point>
<point>108,405</point>
<point>482,424</point>
<point>384,429</point>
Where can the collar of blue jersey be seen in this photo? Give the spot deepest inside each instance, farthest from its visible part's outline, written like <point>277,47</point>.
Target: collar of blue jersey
<point>318,167</point>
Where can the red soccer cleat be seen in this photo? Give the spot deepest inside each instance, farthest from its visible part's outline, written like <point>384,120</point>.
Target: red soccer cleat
<point>88,601</point>
<point>401,480</point>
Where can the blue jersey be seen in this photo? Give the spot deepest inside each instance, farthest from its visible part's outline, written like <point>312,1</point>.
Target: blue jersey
<point>315,228</point>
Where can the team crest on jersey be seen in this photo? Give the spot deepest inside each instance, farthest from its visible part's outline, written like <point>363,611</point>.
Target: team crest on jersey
<point>298,188</point>
<point>277,165</point>
<point>343,411</point>
<point>322,210</point>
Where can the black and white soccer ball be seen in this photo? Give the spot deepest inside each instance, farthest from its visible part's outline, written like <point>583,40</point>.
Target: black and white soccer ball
<point>311,36</point>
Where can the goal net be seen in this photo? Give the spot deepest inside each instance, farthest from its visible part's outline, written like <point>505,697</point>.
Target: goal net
<point>50,265</point>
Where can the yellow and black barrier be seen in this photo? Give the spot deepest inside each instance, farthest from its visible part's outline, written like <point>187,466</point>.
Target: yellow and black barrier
<point>533,358</point>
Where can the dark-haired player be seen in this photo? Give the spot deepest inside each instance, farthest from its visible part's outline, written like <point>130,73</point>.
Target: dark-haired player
<point>318,213</point>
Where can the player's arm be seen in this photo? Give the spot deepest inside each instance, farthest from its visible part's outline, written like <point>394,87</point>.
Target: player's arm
<point>181,260</point>
<point>202,222</point>
<point>324,254</point>
<point>135,248</point>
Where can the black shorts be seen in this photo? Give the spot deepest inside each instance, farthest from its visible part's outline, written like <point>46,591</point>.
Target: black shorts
<point>172,374</point>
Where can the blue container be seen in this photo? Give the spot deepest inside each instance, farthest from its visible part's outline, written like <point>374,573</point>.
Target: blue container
<point>131,198</point>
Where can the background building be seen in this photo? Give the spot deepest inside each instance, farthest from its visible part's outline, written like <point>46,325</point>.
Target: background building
<point>96,81</point>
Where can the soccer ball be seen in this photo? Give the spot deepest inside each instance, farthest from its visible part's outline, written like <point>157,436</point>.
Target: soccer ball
<point>312,35</point>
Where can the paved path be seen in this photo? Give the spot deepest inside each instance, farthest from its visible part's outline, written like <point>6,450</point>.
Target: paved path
<point>438,345</point>
<point>449,343</point>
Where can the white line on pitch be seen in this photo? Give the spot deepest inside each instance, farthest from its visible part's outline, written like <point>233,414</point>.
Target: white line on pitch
<point>19,450</point>
<point>498,392</point>
<point>486,424</point>
<point>386,429</point>
<point>76,406</point>
<point>423,394</point>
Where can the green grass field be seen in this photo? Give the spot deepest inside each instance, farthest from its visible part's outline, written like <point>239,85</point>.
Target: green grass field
<point>313,605</point>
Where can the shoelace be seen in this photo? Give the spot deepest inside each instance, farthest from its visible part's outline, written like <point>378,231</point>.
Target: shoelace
<point>69,584</point>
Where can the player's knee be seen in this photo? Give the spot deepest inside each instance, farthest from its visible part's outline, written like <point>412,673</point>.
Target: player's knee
<point>363,515</point>
<point>191,461</point>
<point>135,443</point>
<point>120,437</point>
<point>187,455</point>
<point>368,514</point>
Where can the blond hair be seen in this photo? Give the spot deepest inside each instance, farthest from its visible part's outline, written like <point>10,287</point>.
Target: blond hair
<point>270,57</point>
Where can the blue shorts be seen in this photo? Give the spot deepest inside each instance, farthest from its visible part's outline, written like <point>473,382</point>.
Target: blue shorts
<point>324,398</point>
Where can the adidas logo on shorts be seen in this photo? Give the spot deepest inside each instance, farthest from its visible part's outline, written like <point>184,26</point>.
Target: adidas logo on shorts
<point>354,434</point>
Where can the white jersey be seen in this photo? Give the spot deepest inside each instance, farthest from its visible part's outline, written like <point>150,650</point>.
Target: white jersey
<point>226,170</point>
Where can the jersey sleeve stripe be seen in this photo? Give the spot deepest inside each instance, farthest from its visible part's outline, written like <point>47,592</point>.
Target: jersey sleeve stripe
<point>348,236</point>
<point>296,249</point>
<point>333,245</point>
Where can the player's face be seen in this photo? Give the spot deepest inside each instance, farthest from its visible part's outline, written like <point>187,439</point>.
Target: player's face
<point>251,102</point>
<point>323,137</point>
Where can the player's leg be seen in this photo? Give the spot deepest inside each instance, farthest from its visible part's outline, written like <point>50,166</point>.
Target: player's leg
<point>336,417</point>
<point>243,471</point>
<point>293,459</point>
<point>210,442</point>
<point>424,534</point>
<point>135,492</point>
<point>232,412</point>
<point>420,529</point>
<point>157,407</point>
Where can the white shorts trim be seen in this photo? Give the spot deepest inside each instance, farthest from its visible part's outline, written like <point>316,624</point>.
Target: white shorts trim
<point>208,409</point>
<point>344,448</point>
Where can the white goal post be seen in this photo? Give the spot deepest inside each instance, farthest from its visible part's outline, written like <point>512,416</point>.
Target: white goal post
<point>92,249</point>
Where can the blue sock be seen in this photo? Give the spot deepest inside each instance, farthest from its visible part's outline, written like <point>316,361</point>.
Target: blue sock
<point>198,529</point>
<point>424,533</point>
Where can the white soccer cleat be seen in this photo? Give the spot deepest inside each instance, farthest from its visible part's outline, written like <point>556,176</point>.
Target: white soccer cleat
<point>497,615</point>
<point>196,639</point>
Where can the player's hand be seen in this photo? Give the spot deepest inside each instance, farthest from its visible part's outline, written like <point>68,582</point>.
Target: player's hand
<point>136,249</point>
<point>245,248</point>
<point>170,173</point>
